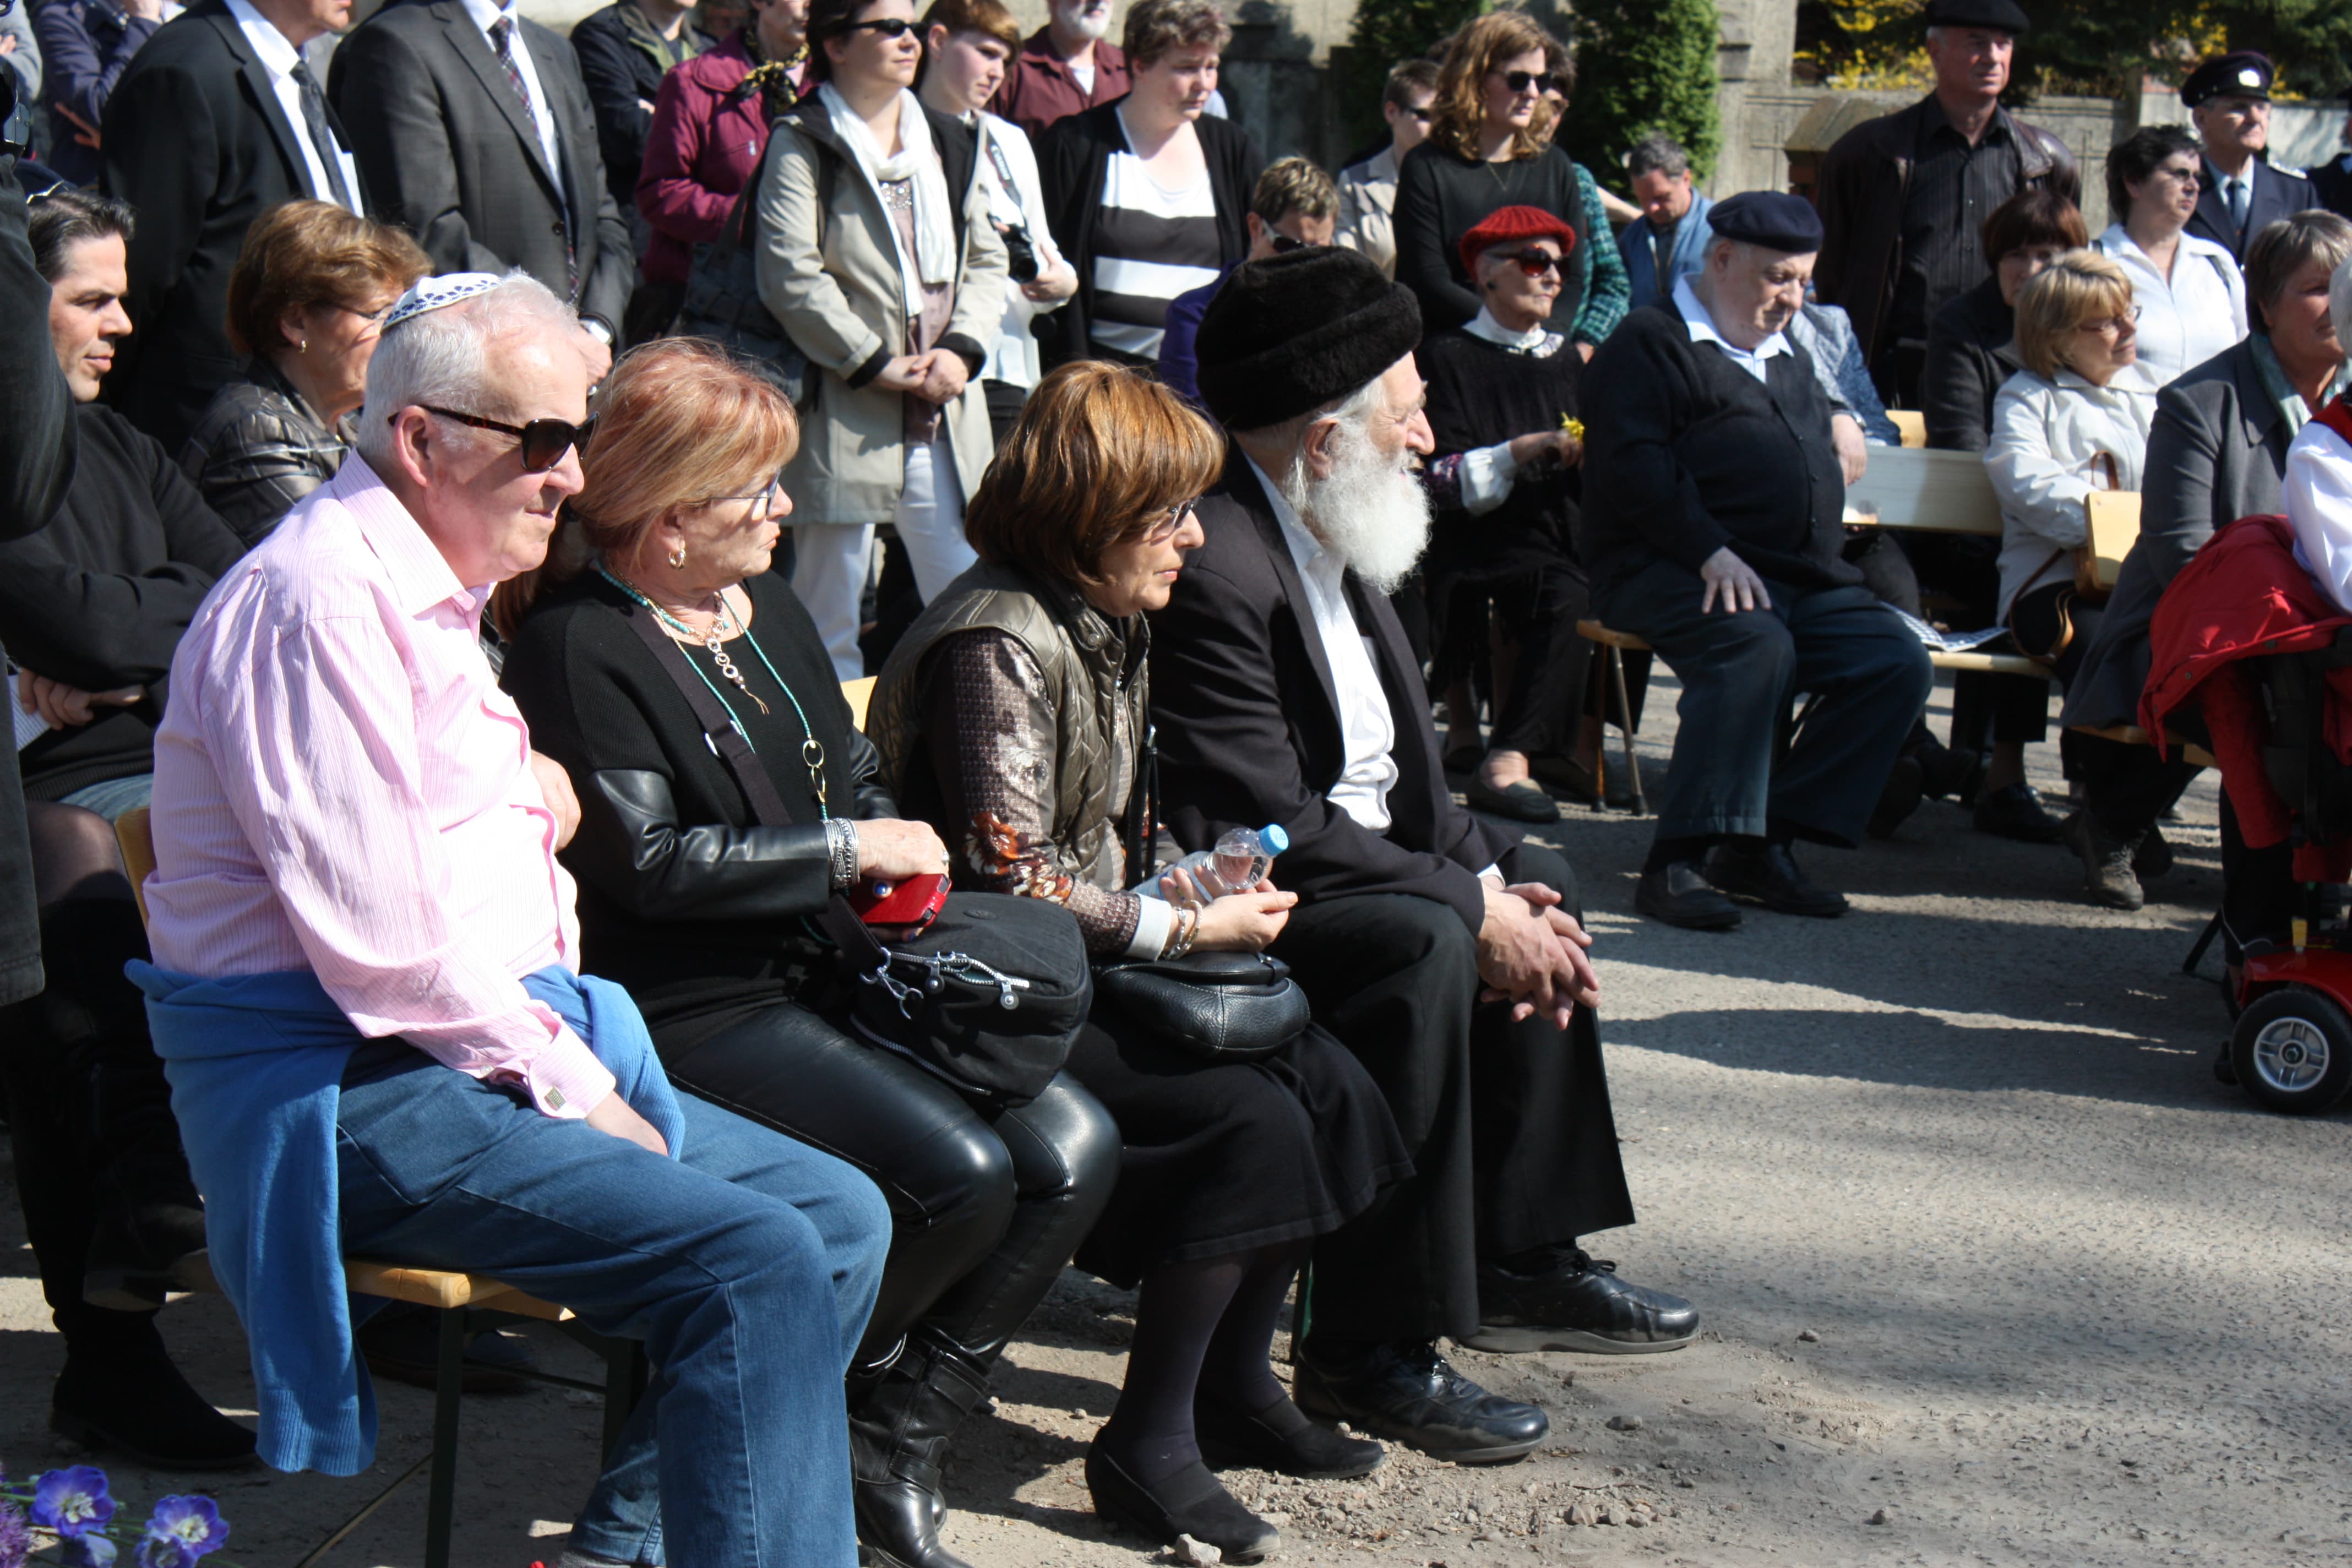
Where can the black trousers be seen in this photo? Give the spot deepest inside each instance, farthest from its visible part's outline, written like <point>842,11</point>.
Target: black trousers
<point>1986,709</point>
<point>2260,897</point>
<point>2038,618</point>
<point>1538,605</point>
<point>988,1203</point>
<point>1512,1140</point>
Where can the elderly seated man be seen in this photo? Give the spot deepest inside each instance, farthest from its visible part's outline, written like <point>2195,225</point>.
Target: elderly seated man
<point>365,984</point>
<point>1713,506</point>
<point>1443,952</point>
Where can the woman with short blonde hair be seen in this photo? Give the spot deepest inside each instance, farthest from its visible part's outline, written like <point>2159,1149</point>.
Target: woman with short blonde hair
<point>1487,149</point>
<point>306,301</point>
<point>2074,420</point>
<point>701,907</point>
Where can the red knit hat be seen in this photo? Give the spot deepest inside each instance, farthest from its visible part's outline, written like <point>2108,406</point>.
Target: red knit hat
<point>1504,224</point>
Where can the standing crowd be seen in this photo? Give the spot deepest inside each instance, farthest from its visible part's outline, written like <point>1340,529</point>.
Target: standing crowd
<point>472,478</point>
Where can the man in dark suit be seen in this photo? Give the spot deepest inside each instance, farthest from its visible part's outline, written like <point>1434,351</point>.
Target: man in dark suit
<point>1284,691</point>
<point>2332,182</point>
<point>216,122</point>
<point>2229,100</point>
<point>476,135</point>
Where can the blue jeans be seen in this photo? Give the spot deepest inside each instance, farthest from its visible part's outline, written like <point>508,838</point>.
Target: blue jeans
<point>1741,670</point>
<point>748,1267</point>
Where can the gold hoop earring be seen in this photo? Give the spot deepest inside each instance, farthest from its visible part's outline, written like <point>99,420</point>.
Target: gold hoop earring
<point>678,558</point>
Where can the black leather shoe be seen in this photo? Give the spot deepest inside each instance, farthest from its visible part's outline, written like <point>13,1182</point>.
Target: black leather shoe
<point>1280,1437</point>
<point>1679,896</point>
<point>1191,1502</point>
<point>900,1424</point>
<point>1577,1305</point>
<point>1945,772</point>
<point>1907,786</point>
<point>2108,876</point>
<point>1521,802</point>
<point>142,1254</point>
<point>138,1404</point>
<point>1409,1394</point>
<point>2014,810</point>
<point>403,1342</point>
<point>1770,877</point>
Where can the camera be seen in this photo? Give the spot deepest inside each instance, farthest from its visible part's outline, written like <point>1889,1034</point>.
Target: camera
<point>1021,252</point>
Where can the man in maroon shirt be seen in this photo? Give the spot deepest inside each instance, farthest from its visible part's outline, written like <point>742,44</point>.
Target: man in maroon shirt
<point>1064,68</point>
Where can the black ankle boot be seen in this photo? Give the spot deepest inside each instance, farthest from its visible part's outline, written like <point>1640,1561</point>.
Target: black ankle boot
<point>120,1391</point>
<point>900,1426</point>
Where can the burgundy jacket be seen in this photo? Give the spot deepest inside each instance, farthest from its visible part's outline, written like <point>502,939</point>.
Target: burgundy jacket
<point>1040,88</point>
<point>705,142</point>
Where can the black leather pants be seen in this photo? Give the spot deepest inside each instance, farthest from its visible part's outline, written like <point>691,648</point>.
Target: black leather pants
<point>989,1203</point>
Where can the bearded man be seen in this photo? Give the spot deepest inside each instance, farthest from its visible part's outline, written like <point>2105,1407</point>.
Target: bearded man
<point>1446,953</point>
<point>1068,65</point>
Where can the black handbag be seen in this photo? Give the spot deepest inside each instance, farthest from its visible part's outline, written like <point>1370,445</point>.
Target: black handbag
<point>1220,1007</point>
<point>722,301</point>
<point>990,995</point>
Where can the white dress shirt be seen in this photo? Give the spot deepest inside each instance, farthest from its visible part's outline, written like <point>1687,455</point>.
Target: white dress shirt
<point>1700,323</point>
<point>2319,507</point>
<point>278,57</point>
<point>2200,312</point>
<point>1368,729</point>
<point>486,12</point>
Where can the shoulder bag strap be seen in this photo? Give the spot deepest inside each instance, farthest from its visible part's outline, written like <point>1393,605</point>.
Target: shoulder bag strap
<point>1003,169</point>
<point>849,933</point>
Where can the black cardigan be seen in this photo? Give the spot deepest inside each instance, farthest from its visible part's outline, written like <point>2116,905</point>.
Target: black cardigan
<point>1441,195</point>
<point>1971,351</point>
<point>99,597</point>
<point>1073,159</point>
<point>1688,453</point>
<point>683,898</point>
<point>1481,395</point>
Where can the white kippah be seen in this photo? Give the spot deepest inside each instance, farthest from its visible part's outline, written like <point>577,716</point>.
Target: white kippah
<point>432,293</point>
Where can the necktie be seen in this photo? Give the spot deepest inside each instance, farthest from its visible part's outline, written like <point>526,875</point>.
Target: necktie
<point>2234,191</point>
<point>502,40</point>
<point>322,135</point>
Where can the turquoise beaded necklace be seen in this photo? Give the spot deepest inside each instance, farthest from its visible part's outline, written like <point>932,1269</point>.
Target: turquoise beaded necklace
<point>812,750</point>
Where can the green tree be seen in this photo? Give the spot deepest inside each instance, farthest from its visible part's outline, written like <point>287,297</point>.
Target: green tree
<point>1386,33</point>
<point>1643,66</point>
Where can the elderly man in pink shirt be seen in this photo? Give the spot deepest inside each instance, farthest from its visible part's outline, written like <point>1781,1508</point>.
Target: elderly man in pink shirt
<point>365,985</point>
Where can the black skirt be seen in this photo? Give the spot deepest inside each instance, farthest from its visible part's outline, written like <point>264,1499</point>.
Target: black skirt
<point>1219,1158</point>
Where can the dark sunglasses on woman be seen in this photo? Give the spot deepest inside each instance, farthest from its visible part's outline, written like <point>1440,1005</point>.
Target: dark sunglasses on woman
<point>1542,81</point>
<point>544,441</point>
<point>1284,245</point>
<point>888,27</point>
<point>1535,263</point>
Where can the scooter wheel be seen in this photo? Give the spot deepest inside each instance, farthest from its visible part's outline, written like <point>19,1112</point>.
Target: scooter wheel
<point>2293,1050</point>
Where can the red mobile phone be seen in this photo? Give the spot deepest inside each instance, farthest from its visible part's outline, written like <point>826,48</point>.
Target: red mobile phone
<point>914,902</point>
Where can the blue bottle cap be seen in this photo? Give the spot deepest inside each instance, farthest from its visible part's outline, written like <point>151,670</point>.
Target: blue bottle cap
<point>1273,838</point>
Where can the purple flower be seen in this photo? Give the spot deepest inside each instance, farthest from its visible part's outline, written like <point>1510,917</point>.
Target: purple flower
<point>16,1538</point>
<point>70,1501</point>
<point>182,1530</point>
<point>89,1552</point>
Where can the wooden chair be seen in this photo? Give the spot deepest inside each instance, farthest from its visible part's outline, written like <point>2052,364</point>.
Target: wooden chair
<point>1614,645</point>
<point>2111,520</point>
<point>860,694</point>
<point>1913,425</point>
<point>1941,493</point>
<point>466,1304</point>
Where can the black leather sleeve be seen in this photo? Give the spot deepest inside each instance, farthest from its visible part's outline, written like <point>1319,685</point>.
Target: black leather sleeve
<point>632,849</point>
<point>873,801</point>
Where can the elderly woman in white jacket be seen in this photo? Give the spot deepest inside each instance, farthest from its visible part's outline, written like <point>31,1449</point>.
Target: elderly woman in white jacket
<point>2073,421</point>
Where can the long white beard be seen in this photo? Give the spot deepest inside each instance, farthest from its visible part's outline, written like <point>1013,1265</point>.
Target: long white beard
<point>1075,19</point>
<point>1371,513</point>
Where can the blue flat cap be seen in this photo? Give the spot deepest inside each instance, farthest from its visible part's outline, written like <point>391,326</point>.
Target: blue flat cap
<point>1773,219</point>
<point>2246,72</point>
<point>2002,16</point>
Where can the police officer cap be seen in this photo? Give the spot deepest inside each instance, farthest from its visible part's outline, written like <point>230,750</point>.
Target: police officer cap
<point>1773,219</point>
<point>2245,72</point>
<point>2000,15</point>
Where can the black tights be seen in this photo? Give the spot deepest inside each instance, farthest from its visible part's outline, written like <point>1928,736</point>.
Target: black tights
<point>1203,1328</point>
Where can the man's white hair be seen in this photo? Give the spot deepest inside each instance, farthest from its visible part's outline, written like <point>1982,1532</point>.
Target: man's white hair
<point>441,357</point>
<point>2340,303</point>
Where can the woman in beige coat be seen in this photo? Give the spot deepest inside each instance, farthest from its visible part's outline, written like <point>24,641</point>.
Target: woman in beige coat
<point>875,253</point>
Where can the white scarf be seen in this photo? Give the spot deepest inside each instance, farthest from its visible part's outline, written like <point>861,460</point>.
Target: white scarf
<point>934,260</point>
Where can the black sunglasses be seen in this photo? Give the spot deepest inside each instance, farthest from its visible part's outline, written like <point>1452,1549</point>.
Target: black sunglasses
<point>888,27</point>
<point>1542,81</point>
<point>1284,245</point>
<point>1535,263</point>
<point>544,441</point>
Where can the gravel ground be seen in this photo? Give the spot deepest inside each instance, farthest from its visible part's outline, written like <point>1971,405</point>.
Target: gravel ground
<point>1994,1271</point>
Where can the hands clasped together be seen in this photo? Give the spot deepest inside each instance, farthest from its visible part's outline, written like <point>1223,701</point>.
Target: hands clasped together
<point>1531,954</point>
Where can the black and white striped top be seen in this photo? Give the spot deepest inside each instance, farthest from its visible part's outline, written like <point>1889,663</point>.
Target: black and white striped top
<point>1151,245</point>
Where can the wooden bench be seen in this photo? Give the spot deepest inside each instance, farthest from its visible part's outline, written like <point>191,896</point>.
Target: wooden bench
<point>1910,487</point>
<point>466,1304</point>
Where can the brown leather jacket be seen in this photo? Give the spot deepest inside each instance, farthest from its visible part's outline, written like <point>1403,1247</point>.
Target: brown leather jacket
<point>1863,180</point>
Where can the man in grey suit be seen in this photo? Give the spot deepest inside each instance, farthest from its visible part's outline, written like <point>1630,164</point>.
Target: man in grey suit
<point>2217,453</point>
<point>475,133</point>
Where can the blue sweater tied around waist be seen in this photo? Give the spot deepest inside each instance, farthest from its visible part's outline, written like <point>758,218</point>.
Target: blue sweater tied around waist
<point>255,1063</point>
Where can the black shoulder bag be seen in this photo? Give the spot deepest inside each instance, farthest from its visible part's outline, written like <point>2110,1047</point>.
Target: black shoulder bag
<point>991,995</point>
<point>723,299</point>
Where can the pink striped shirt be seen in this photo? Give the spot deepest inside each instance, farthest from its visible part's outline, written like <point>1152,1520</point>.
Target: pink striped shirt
<point>341,786</point>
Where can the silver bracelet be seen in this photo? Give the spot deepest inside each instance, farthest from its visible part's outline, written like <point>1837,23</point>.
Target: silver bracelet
<point>841,840</point>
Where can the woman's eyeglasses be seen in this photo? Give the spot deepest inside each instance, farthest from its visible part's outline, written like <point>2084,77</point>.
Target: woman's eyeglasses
<point>1163,527</point>
<point>544,441</point>
<point>2112,326</point>
<point>1535,263</point>
<point>1542,81</point>
<point>763,499</point>
<point>888,27</point>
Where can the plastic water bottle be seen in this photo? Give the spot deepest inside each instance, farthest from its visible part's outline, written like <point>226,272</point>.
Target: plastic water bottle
<point>1238,863</point>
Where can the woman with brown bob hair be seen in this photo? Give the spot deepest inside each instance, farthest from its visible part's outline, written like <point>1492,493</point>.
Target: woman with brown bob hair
<point>1487,149</point>
<point>701,910</point>
<point>1013,717</point>
<point>306,301</point>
